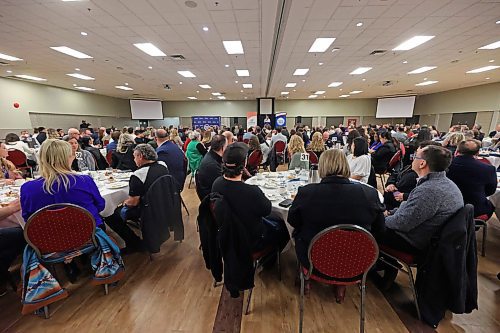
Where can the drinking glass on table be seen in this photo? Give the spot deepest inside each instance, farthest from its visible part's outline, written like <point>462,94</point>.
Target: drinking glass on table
<point>297,171</point>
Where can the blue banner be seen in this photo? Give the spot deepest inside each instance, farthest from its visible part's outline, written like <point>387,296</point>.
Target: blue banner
<point>280,119</point>
<point>205,122</point>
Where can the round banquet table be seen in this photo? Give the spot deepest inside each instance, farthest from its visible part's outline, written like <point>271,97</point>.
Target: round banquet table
<point>287,184</point>
<point>495,198</point>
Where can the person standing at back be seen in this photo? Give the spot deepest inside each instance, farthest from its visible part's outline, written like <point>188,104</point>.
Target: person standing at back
<point>172,156</point>
<point>211,166</point>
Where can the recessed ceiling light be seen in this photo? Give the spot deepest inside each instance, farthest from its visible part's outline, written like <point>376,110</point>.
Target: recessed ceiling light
<point>359,24</point>
<point>412,42</point>
<point>482,69</point>
<point>242,72</point>
<point>150,49</point>
<point>320,64</point>
<point>497,22</point>
<point>216,93</point>
<point>246,97</point>
<point>247,85</point>
<point>186,73</point>
<point>192,97</point>
<point>405,61</point>
<point>180,82</point>
<point>85,88</point>
<point>491,60</point>
<point>303,80</point>
<point>221,97</point>
<point>426,83</point>
<point>226,65</point>
<point>233,46</point>
<point>285,92</point>
<point>360,70</point>
<point>205,28</point>
<point>29,77</point>
<point>363,79</point>
<point>356,92</point>
<point>241,90</point>
<point>491,46</point>
<point>319,92</point>
<point>197,91</point>
<point>321,44</point>
<point>343,96</point>
<point>74,84</point>
<point>210,98</point>
<point>294,89</point>
<point>235,81</point>
<point>123,88</point>
<point>422,69</point>
<point>335,84</point>
<point>81,76</point>
<point>83,33</point>
<point>126,83</point>
<point>312,96</point>
<point>487,78</point>
<point>204,86</point>
<point>9,71</point>
<point>150,67</point>
<point>290,85</point>
<point>301,71</point>
<point>9,58</point>
<point>69,51</point>
<point>425,79</point>
<point>77,69</point>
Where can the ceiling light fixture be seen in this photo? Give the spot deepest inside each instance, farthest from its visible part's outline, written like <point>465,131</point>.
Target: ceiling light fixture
<point>85,88</point>
<point>216,93</point>
<point>285,92</point>
<point>320,64</point>
<point>71,52</point>
<point>360,70</point>
<point>81,76</point>
<point>242,72</point>
<point>180,82</point>
<point>233,46</point>
<point>422,69</point>
<point>226,66</point>
<point>123,88</point>
<point>192,97</point>
<point>29,77</point>
<point>186,73</point>
<point>319,92</point>
<point>83,33</point>
<point>221,97</point>
<point>150,67</point>
<point>356,92</point>
<point>150,49</point>
<point>335,84</point>
<point>321,44</point>
<point>235,81</point>
<point>491,46</point>
<point>290,84</point>
<point>77,69</point>
<point>312,96</point>
<point>359,24</point>
<point>126,83</point>
<point>487,78</point>
<point>482,69</point>
<point>205,28</point>
<point>301,71</point>
<point>412,43</point>
<point>491,60</point>
<point>9,71</point>
<point>9,58</point>
<point>343,96</point>
<point>426,83</point>
<point>247,85</point>
<point>204,86</point>
<point>363,79</point>
<point>74,84</point>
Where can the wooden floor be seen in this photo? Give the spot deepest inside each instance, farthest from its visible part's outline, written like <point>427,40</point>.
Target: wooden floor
<point>175,293</point>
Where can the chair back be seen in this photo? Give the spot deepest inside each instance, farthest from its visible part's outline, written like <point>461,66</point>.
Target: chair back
<point>105,143</point>
<point>17,157</point>
<point>109,157</point>
<point>343,251</point>
<point>59,228</point>
<point>279,146</point>
<point>396,158</point>
<point>255,159</point>
<point>313,158</point>
<point>484,160</point>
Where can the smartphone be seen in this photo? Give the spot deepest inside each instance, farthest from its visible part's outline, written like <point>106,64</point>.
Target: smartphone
<point>286,203</point>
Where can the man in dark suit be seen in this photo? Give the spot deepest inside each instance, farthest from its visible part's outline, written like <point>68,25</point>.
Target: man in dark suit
<point>172,156</point>
<point>476,180</point>
<point>211,166</point>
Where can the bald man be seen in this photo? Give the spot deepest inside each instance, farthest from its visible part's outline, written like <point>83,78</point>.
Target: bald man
<point>475,179</point>
<point>74,133</point>
<point>229,137</point>
<point>172,156</point>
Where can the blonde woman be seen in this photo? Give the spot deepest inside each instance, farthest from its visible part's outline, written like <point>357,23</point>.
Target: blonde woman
<point>207,139</point>
<point>52,133</point>
<point>175,138</point>
<point>7,168</point>
<point>317,144</point>
<point>336,196</point>
<point>59,184</point>
<point>295,149</point>
<point>452,141</point>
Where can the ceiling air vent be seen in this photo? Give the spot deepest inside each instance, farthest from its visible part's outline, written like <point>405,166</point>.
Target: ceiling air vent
<point>378,52</point>
<point>387,83</point>
<point>177,57</point>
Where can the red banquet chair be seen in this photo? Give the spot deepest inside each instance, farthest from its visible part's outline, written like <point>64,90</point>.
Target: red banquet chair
<point>59,232</point>
<point>313,158</point>
<point>254,160</point>
<point>395,159</point>
<point>19,159</point>
<point>279,147</point>
<point>340,255</point>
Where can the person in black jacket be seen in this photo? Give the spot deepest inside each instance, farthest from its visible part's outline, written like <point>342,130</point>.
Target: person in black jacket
<point>382,156</point>
<point>86,144</point>
<point>211,166</point>
<point>336,200</point>
<point>476,180</point>
<point>123,157</point>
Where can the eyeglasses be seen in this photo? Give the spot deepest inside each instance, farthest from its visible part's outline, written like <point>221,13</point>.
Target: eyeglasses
<point>418,158</point>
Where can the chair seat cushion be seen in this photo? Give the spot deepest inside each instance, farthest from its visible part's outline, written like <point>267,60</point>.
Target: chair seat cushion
<point>318,276</point>
<point>483,217</point>
<point>407,258</point>
<point>58,257</point>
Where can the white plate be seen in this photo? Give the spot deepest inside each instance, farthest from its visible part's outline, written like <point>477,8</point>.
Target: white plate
<point>270,186</point>
<point>117,185</point>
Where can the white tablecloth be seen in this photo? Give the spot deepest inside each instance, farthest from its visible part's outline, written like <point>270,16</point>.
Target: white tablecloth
<point>494,160</point>
<point>495,198</point>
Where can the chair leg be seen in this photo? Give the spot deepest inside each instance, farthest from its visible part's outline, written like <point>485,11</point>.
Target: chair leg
<point>362,307</point>
<point>301,301</point>
<point>247,311</point>
<point>184,205</point>
<point>106,289</point>
<point>483,245</point>
<point>279,265</point>
<point>46,312</point>
<point>413,290</point>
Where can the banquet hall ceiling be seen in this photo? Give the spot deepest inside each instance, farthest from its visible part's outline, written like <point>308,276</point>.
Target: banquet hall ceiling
<point>276,36</point>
